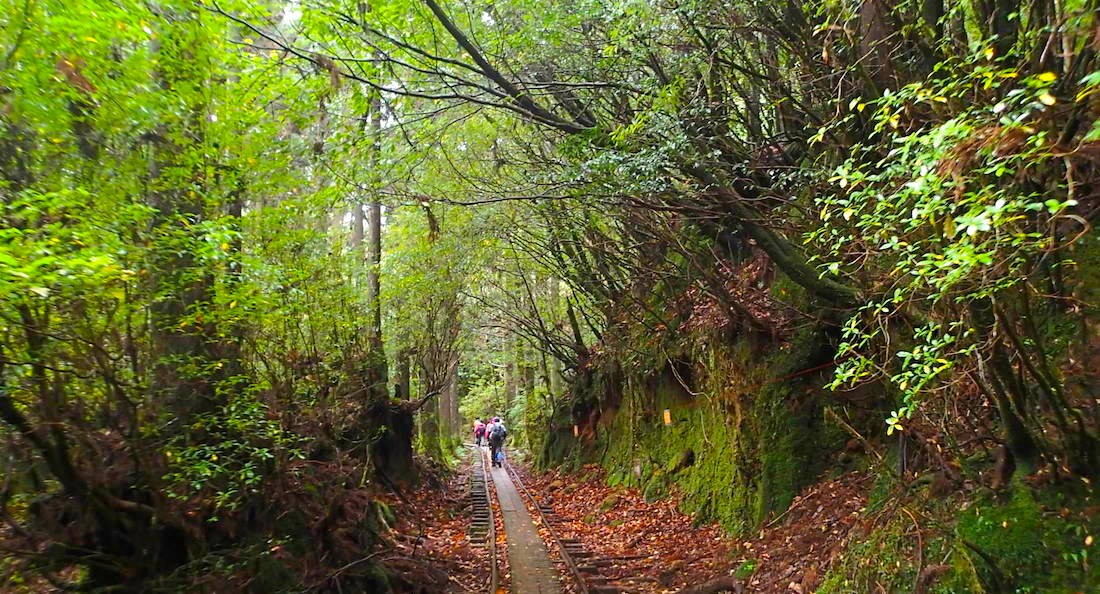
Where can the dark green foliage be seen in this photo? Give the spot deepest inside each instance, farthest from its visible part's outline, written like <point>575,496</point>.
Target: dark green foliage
<point>1032,542</point>
<point>609,210</point>
<point>1016,543</point>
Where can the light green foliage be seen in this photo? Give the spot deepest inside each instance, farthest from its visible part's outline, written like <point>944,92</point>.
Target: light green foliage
<point>947,224</point>
<point>65,248</point>
<point>176,303</point>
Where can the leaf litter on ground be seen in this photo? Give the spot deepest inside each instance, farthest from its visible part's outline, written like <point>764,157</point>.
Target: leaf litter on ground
<point>654,548</point>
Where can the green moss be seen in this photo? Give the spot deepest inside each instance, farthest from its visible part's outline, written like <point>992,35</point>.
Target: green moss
<point>963,575</point>
<point>786,447</point>
<point>1010,534</point>
<point>746,569</point>
<point>1019,546</point>
<point>654,491</point>
<point>376,580</point>
<point>748,433</point>
<point>609,503</point>
<point>743,438</point>
<point>1030,544</point>
<point>886,483</point>
<point>558,443</point>
<point>385,513</point>
<point>1085,255</point>
<point>879,562</point>
<point>685,460</point>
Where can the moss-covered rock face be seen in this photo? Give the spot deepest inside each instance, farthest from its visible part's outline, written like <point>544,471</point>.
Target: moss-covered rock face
<point>1015,544</point>
<point>742,436</point>
<point>1033,542</point>
<point>558,441</point>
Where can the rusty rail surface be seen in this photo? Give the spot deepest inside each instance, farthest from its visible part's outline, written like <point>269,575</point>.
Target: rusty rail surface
<point>482,530</point>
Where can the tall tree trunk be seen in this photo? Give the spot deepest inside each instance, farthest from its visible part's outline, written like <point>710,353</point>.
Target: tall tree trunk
<point>429,424</point>
<point>446,428</point>
<point>374,231</point>
<point>392,421</point>
<point>875,33</point>
<point>932,13</point>
<point>555,319</point>
<point>996,374</point>
<point>527,377</point>
<point>510,375</point>
<point>403,386</point>
<point>374,284</point>
<point>178,341</point>
<point>357,226</point>
<point>454,427</point>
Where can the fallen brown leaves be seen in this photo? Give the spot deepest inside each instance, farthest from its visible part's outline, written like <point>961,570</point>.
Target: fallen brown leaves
<point>431,533</point>
<point>797,548</point>
<point>653,547</point>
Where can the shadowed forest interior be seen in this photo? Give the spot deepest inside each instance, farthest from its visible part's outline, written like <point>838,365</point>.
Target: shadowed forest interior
<point>770,295</point>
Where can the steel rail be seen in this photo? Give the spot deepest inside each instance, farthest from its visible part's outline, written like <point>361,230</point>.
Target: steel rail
<point>578,577</point>
<point>494,579</point>
<point>491,537</point>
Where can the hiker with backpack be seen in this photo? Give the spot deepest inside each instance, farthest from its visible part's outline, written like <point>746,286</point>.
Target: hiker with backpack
<point>497,432</point>
<point>488,428</point>
<point>479,432</point>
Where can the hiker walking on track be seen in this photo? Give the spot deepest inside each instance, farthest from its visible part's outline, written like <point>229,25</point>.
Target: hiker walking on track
<point>488,428</point>
<point>479,432</point>
<point>497,432</point>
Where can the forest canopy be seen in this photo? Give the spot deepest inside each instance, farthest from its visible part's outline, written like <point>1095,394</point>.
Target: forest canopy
<point>258,259</point>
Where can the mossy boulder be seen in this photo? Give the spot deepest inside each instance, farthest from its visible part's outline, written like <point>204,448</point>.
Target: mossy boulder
<point>1018,544</point>
<point>654,491</point>
<point>609,503</point>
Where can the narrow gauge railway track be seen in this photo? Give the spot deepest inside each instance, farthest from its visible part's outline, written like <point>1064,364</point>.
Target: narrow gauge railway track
<point>583,566</point>
<point>482,530</point>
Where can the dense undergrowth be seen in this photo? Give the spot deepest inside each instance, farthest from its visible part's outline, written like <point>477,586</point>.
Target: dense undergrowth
<point>963,223</point>
<point>186,392</point>
<point>745,438</point>
<point>254,254</point>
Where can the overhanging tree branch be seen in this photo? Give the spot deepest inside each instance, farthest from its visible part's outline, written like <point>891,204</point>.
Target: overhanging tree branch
<point>522,98</point>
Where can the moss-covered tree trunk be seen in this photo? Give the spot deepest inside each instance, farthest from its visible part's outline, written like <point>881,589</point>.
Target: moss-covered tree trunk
<point>430,444</point>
